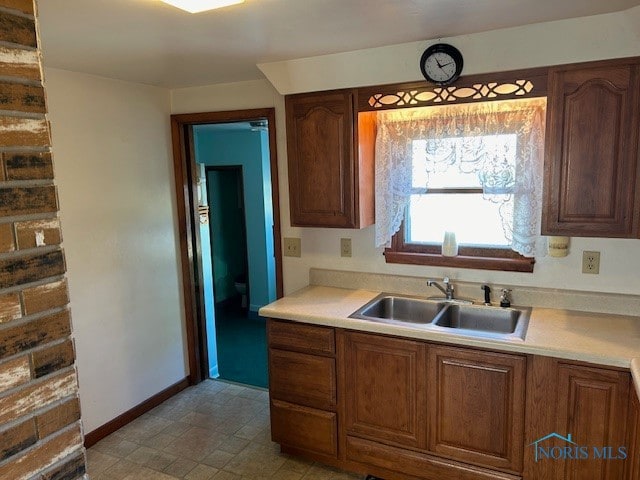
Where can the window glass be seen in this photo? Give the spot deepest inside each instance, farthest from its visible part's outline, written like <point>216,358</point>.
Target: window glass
<point>452,169</point>
<point>474,220</point>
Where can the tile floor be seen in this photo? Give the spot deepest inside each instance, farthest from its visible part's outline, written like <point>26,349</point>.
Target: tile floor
<point>214,430</point>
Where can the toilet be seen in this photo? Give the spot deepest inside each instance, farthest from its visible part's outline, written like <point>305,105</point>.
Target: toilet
<point>241,287</point>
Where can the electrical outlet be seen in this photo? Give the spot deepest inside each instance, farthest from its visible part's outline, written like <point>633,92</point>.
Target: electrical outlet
<point>591,262</point>
<point>345,247</point>
<point>292,247</point>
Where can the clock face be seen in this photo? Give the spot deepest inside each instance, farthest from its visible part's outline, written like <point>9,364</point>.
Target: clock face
<point>441,64</point>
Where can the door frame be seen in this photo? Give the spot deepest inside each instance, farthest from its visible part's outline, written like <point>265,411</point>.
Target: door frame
<point>185,177</point>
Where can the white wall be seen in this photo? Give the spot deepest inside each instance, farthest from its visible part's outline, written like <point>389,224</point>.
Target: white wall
<point>111,144</point>
<point>615,35</point>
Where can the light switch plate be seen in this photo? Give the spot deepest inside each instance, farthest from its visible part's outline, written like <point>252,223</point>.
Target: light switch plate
<point>591,262</point>
<point>292,247</point>
<point>345,247</point>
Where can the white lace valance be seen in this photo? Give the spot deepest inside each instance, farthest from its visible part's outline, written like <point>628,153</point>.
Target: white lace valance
<point>457,134</point>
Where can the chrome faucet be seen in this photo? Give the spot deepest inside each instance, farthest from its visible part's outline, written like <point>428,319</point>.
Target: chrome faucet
<point>447,289</point>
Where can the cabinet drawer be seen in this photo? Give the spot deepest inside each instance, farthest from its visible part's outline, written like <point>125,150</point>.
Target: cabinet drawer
<point>302,338</point>
<point>304,428</point>
<point>300,378</point>
<point>416,464</point>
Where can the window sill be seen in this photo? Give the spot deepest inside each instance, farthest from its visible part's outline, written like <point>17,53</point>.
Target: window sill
<point>461,261</point>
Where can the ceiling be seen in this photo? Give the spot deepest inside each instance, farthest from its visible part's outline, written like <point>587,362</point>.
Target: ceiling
<point>149,42</point>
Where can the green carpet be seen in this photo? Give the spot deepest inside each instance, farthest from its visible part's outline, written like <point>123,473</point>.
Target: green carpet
<point>242,347</point>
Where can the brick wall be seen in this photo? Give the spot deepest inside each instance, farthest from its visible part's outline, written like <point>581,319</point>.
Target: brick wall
<point>40,432</point>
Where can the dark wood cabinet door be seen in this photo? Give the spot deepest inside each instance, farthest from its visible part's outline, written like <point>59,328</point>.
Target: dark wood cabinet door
<point>592,408</point>
<point>591,157</point>
<point>320,148</point>
<point>385,389</point>
<point>633,435</point>
<point>476,406</point>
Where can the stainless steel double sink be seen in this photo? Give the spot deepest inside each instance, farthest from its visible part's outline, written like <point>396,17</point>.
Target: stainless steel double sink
<point>449,316</point>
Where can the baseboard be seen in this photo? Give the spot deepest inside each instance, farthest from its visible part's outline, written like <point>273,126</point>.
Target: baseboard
<point>120,421</point>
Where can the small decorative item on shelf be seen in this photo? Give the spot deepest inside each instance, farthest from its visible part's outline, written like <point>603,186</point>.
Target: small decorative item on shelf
<point>558,246</point>
<point>449,245</point>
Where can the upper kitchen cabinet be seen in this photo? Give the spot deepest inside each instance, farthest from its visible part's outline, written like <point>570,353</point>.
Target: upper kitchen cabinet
<point>331,169</point>
<point>592,156</point>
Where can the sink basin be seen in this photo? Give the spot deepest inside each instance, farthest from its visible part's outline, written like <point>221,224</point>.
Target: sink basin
<point>395,308</point>
<point>488,321</point>
<point>450,317</point>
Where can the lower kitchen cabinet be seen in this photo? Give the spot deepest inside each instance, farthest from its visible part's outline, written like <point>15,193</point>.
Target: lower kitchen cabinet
<point>405,409</point>
<point>302,388</point>
<point>595,413</point>
<point>577,421</point>
<point>385,389</point>
<point>476,406</point>
<point>633,466</point>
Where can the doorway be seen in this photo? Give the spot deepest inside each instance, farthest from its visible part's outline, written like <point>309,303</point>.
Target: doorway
<point>241,343</point>
<point>207,288</point>
<point>234,157</point>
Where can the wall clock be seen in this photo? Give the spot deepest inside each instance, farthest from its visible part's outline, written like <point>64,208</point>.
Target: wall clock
<point>441,64</point>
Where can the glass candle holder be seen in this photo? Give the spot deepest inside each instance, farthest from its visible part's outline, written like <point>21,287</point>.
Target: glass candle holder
<point>449,245</point>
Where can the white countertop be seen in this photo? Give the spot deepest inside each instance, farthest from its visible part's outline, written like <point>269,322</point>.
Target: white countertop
<point>611,340</point>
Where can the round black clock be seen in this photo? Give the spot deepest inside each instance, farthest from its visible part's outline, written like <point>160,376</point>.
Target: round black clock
<point>441,64</point>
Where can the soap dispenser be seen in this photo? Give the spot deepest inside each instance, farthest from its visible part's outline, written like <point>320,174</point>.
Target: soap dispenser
<point>505,299</point>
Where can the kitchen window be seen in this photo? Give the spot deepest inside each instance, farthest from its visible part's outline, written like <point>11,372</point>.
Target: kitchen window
<point>471,169</point>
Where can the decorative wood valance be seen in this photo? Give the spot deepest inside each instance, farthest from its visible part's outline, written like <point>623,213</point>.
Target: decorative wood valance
<point>473,88</point>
